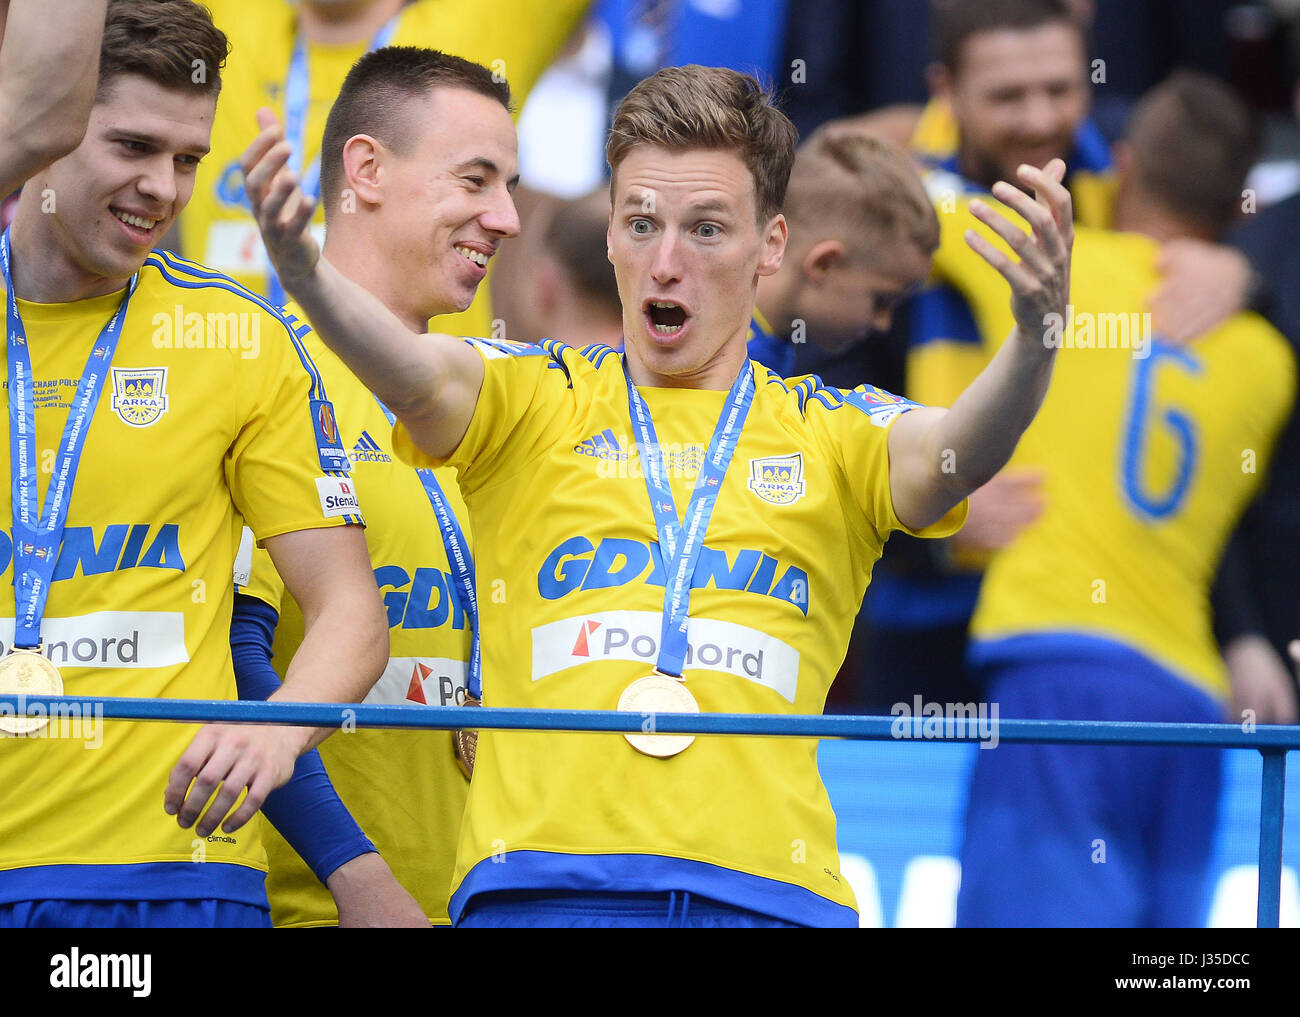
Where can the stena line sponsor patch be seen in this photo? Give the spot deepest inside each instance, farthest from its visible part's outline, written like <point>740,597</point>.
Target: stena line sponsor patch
<point>338,497</point>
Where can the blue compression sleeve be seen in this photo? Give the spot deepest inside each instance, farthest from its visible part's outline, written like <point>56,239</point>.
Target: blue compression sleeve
<point>307,810</point>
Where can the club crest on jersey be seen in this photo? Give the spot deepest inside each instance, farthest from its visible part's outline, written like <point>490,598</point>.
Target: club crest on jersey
<point>140,395</point>
<point>778,480</point>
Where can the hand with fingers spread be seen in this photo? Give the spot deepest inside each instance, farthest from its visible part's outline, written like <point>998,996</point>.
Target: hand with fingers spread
<point>1040,280</point>
<point>981,429</point>
<point>282,210</point>
<point>227,759</point>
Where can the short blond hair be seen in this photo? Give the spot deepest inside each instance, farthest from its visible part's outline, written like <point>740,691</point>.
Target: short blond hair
<point>861,186</point>
<point>683,108</point>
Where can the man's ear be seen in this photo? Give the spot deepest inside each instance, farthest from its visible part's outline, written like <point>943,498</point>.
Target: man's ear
<point>774,241</point>
<point>363,168</point>
<point>823,256</point>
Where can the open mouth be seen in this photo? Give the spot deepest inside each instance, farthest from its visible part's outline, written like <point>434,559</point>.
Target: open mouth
<point>139,227</point>
<point>479,258</point>
<point>666,317</point>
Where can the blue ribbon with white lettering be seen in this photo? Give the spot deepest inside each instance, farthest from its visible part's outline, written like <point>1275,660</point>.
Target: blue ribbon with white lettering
<point>681,555</point>
<point>38,532</point>
<point>460,560</point>
<point>297,101</point>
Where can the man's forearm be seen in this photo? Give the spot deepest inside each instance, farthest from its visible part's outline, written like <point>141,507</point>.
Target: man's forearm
<point>338,661</point>
<point>48,76</point>
<point>987,420</point>
<point>390,359</point>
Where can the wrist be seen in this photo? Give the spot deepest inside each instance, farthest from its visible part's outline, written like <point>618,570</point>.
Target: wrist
<point>355,870</point>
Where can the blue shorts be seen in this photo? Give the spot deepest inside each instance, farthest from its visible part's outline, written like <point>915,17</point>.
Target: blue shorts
<point>135,914</point>
<point>508,909</point>
<point>1088,835</point>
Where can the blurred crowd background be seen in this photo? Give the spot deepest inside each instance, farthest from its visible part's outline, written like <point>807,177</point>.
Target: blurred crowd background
<point>874,60</point>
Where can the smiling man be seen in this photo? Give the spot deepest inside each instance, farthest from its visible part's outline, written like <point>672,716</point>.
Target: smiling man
<point>418,164</point>
<point>604,598</point>
<point>123,581</point>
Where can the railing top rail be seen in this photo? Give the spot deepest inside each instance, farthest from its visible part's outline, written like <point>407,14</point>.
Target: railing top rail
<point>959,726</point>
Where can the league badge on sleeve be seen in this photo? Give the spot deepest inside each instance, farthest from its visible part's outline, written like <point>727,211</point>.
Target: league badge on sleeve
<point>881,407</point>
<point>333,456</point>
<point>778,480</point>
<point>139,394</point>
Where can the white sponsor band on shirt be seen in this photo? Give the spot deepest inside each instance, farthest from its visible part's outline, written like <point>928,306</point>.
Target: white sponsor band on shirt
<point>634,635</point>
<point>440,681</point>
<point>112,639</point>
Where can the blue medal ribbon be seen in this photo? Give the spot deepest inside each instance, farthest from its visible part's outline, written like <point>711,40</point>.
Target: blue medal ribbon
<point>38,532</point>
<point>297,100</point>
<point>460,560</point>
<point>680,543</point>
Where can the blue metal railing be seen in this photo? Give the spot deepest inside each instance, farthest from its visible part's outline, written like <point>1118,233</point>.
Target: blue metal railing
<point>1272,742</point>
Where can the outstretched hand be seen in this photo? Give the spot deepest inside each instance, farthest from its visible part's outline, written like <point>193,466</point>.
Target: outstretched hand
<point>1040,280</point>
<point>282,210</point>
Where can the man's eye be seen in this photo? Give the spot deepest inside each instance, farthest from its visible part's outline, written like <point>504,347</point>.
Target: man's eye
<point>708,230</point>
<point>476,181</point>
<point>641,226</point>
<point>134,146</point>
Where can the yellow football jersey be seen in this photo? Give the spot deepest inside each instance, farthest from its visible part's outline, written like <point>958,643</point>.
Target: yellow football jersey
<point>404,788</point>
<point>213,411</point>
<point>518,38</point>
<point>1150,451</point>
<point>571,591</point>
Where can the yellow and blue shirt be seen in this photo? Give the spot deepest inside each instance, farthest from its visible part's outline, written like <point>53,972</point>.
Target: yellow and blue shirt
<point>213,412</point>
<point>404,788</point>
<point>1151,452</point>
<point>571,590</point>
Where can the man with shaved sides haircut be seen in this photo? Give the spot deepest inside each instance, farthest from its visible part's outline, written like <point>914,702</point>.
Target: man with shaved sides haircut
<point>698,530</point>
<point>418,165</point>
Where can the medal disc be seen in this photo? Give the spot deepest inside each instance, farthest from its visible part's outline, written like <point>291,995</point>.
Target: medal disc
<point>658,693</point>
<point>27,673</point>
<point>466,742</point>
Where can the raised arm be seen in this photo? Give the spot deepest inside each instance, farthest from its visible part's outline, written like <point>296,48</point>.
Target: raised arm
<point>430,382</point>
<point>49,67</point>
<point>938,457</point>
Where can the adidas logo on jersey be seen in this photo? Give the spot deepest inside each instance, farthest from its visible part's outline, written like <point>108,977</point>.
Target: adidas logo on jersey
<point>367,450</point>
<point>602,446</point>
<point>684,460</point>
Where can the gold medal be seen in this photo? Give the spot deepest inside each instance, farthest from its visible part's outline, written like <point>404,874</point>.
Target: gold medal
<point>466,742</point>
<point>658,693</point>
<point>27,672</point>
